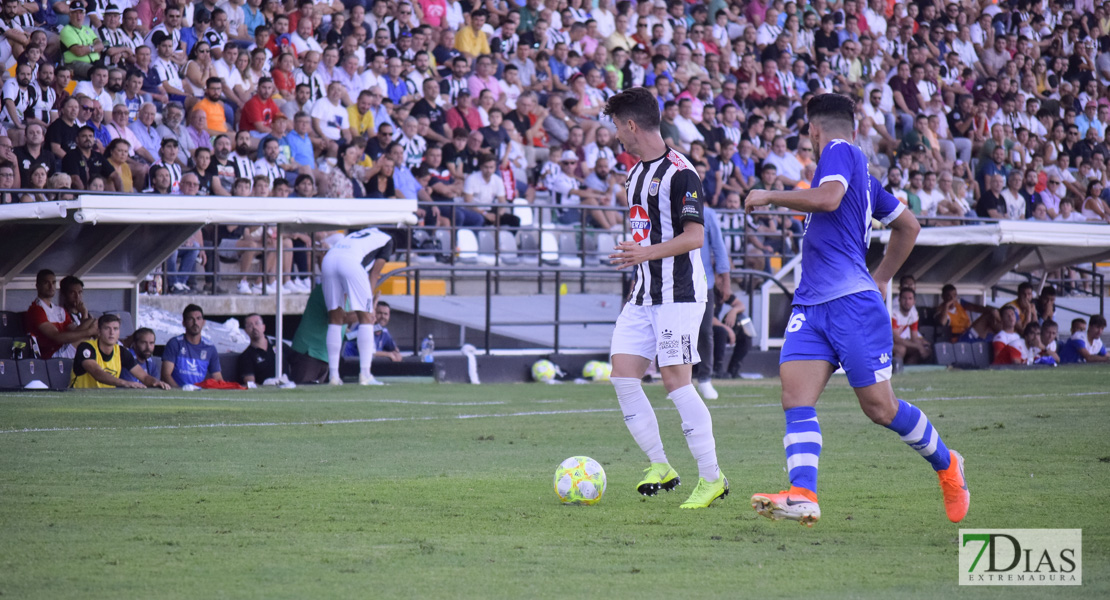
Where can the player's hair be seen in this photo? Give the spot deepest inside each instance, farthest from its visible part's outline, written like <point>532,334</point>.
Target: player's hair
<point>143,331</point>
<point>42,275</point>
<point>105,319</point>
<point>254,314</point>
<point>947,287</point>
<point>383,303</point>
<point>68,282</point>
<point>1025,285</point>
<point>1097,321</point>
<point>906,289</point>
<point>1006,308</point>
<point>192,308</point>
<point>1049,323</point>
<point>637,105</point>
<point>1031,327</point>
<point>832,110</point>
<point>1076,323</point>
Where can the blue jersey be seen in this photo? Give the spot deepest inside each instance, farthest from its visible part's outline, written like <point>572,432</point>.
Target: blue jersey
<point>835,245</point>
<point>147,365</point>
<point>192,363</point>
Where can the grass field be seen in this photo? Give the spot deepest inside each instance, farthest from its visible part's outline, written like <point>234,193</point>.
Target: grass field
<point>445,491</point>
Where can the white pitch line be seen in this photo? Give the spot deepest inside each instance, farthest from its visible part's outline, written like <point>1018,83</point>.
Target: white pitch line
<point>531,413</point>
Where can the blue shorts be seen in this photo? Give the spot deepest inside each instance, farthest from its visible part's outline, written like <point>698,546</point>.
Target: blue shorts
<point>852,331</point>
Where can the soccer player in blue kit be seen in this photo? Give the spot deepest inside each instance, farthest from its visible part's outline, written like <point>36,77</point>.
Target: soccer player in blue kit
<point>839,317</point>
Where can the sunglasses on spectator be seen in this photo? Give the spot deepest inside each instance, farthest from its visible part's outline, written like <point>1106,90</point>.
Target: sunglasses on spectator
<point>1054,182</point>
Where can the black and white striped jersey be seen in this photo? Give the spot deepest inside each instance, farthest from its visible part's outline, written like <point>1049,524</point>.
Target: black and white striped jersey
<point>663,194</point>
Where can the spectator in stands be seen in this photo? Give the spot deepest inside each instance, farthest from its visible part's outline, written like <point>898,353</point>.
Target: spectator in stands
<point>189,359</point>
<point>85,162</point>
<point>72,294</point>
<point>384,346</point>
<point>954,313</point>
<point>1085,345</point>
<point>142,349</point>
<point>259,361</point>
<point>1007,344</point>
<point>1049,330</point>
<point>909,346</point>
<point>101,362</point>
<point>1025,305</point>
<point>50,325</point>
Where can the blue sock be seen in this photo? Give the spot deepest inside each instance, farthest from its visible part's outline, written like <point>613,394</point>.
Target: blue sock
<point>918,432</point>
<point>803,446</point>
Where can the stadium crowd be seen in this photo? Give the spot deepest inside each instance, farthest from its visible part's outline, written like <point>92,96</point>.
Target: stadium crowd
<point>965,108</point>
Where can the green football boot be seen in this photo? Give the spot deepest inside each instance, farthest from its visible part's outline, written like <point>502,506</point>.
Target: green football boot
<point>706,492</point>
<point>659,476</point>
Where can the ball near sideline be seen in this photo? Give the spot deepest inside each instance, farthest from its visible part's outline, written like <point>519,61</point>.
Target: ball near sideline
<point>543,371</point>
<point>580,480</point>
<point>597,370</point>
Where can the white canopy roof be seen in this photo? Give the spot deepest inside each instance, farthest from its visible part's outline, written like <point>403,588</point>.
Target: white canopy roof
<point>977,256</point>
<point>153,210</point>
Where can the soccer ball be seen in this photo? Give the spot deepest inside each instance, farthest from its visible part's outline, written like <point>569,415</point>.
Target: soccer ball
<point>544,371</point>
<point>580,480</point>
<point>597,370</point>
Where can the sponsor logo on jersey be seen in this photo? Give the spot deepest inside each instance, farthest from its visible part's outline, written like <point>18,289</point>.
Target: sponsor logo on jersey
<point>640,223</point>
<point>690,204</point>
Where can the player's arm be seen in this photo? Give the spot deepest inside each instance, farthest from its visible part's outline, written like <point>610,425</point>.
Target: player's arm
<point>1088,356</point>
<point>630,253</point>
<point>92,368</point>
<point>147,379</point>
<point>686,202</point>
<point>61,338</point>
<point>903,233</point>
<point>168,358</point>
<point>823,198</point>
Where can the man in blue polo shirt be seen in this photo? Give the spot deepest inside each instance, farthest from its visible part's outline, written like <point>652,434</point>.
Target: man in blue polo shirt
<point>188,358</point>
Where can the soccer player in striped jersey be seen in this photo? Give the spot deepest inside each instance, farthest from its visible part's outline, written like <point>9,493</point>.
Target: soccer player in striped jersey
<point>664,311</point>
<point>839,316</point>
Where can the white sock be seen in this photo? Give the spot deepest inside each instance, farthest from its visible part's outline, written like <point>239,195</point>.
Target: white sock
<point>335,345</point>
<point>639,417</point>
<point>697,426</point>
<point>365,349</point>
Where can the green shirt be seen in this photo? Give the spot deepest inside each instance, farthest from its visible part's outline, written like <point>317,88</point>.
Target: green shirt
<point>74,36</point>
<point>312,334</point>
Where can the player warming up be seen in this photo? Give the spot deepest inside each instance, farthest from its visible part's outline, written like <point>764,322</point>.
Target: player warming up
<point>344,270</point>
<point>664,311</point>
<point>839,317</point>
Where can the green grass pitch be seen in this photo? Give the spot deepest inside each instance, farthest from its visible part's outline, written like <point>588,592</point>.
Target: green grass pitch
<point>445,491</point>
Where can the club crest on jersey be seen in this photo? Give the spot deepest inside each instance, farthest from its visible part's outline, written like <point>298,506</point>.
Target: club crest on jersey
<point>653,188</point>
<point>639,222</point>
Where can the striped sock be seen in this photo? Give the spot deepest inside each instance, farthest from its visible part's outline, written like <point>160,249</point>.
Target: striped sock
<point>918,432</point>
<point>803,446</point>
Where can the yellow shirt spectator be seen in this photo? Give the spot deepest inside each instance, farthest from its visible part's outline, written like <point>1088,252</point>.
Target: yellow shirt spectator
<point>472,43</point>
<point>360,123</point>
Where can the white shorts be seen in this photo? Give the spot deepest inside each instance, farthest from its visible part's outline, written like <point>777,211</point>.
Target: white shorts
<point>345,277</point>
<point>669,331</point>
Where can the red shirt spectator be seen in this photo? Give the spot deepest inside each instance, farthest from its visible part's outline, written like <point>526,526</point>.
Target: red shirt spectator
<point>464,115</point>
<point>260,110</point>
<point>51,326</point>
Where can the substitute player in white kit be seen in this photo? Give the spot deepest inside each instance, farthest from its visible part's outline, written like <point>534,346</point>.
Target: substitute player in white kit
<point>664,312</point>
<point>345,276</point>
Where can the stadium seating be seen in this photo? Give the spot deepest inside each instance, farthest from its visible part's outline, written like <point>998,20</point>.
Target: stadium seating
<point>9,374</point>
<point>33,369</point>
<point>945,353</point>
<point>60,372</point>
<point>962,355</point>
<point>981,354</point>
<point>11,323</point>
